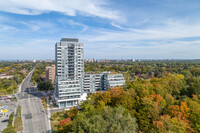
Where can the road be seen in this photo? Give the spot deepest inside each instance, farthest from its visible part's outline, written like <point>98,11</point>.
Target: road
<point>34,116</point>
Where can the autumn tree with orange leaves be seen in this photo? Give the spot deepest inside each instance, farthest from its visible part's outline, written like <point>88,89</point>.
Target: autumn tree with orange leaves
<point>64,123</point>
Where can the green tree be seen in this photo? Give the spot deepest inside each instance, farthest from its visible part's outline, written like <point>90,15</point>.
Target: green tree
<point>194,114</point>
<point>110,120</point>
<point>45,86</point>
<point>193,86</point>
<point>168,124</point>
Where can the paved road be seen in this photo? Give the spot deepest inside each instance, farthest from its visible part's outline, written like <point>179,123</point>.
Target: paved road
<point>34,117</point>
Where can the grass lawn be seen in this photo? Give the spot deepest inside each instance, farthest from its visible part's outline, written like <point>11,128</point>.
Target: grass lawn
<point>56,118</point>
<point>18,120</point>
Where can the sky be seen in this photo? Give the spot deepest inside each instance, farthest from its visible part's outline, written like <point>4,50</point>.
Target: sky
<point>109,29</point>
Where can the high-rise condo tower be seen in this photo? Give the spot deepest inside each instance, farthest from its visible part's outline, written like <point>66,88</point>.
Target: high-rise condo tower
<point>69,59</point>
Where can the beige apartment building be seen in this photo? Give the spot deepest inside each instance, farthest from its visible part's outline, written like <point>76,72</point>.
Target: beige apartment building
<point>50,74</point>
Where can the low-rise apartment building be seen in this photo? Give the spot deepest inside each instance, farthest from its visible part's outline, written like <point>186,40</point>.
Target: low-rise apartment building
<point>102,81</point>
<point>112,80</point>
<point>50,74</point>
<point>92,83</point>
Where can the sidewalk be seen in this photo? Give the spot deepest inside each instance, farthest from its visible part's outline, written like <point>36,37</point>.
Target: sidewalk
<point>48,114</point>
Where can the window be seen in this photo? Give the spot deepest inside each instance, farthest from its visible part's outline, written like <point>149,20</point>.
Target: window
<point>62,104</point>
<point>69,103</point>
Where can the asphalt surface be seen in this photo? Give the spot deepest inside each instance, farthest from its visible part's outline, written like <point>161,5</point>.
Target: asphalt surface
<point>34,117</point>
<point>11,106</point>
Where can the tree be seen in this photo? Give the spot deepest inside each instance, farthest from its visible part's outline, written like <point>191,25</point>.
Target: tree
<point>108,121</point>
<point>72,113</point>
<point>64,123</point>
<point>181,111</point>
<point>194,114</point>
<point>174,125</point>
<point>45,86</point>
<point>193,86</point>
<point>101,99</point>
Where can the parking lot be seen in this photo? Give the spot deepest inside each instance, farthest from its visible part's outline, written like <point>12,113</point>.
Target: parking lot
<point>6,104</point>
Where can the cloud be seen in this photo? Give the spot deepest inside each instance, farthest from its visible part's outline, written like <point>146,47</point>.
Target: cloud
<point>118,26</point>
<point>141,32</point>
<point>154,50</point>
<point>161,32</point>
<point>170,40</point>
<point>68,7</point>
<point>5,28</point>
<point>74,24</point>
<point>37,25</point>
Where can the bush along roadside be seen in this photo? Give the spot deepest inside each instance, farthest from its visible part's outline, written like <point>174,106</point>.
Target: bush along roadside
<point>10,128</point>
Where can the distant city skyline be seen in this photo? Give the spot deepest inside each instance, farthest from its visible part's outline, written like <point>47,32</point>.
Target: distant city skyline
<point>110,29</point>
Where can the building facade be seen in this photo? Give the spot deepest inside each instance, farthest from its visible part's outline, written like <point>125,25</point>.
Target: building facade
<point>112,80</point>
<point>50,74</point>
<point>102,81</point>
<point>69,71</point>
<point>92,83</point>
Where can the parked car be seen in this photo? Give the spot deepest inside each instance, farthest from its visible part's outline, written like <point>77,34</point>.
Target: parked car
<point>6,120</point>
<point>8,100</point>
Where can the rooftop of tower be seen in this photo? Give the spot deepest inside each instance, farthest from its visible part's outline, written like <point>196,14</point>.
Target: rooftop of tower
<point>69,39</point>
